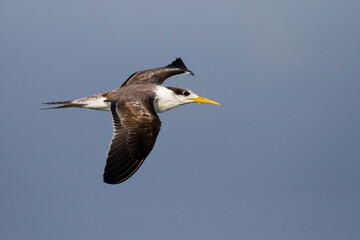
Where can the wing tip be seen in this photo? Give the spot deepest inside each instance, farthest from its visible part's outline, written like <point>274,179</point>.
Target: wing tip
<point>112,180</point>
<point>178,63</point>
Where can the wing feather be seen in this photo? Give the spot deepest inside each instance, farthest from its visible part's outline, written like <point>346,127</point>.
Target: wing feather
<point>158,75</point>
<point>136,126</point>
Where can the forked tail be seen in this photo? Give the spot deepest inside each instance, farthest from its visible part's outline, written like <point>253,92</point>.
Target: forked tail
<point>64,104</point>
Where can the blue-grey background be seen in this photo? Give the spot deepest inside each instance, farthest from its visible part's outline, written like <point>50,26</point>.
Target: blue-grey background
<point>279,159</point>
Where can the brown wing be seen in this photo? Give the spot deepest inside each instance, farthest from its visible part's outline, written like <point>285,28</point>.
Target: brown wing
<point>158,75</point>
<point>136,126</point>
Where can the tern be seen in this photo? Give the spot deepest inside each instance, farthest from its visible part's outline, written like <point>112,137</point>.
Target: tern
<point>134,107</point>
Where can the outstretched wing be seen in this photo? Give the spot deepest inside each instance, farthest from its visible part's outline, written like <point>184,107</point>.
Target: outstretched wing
<point>136,126</point>
<point>158,75</point>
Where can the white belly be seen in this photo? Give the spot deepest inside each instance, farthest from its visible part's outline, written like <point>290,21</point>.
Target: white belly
<point>94,103</point>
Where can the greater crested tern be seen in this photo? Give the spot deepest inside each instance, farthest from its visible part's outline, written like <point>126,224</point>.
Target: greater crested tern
<point>134,107</point>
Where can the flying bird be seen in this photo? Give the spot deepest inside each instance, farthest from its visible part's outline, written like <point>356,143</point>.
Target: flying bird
<point>134,107</point>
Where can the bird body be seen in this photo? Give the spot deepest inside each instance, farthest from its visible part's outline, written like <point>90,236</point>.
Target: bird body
<point>134,107</point>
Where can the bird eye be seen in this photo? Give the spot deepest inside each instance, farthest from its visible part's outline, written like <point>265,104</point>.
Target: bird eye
<point>186,93</point>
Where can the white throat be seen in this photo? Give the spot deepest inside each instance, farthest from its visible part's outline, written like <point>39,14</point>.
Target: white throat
<point>166,100</point>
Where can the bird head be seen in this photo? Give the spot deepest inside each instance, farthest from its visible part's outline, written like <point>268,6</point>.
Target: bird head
<point>171,97</point>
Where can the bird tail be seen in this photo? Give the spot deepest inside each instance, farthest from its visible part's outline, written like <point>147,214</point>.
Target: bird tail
<point>63,104</point>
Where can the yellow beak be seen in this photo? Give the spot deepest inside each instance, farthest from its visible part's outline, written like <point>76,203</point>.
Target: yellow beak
<point>204,100</point>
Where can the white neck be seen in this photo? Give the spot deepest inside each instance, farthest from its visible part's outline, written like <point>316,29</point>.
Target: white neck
<point>166,100</point>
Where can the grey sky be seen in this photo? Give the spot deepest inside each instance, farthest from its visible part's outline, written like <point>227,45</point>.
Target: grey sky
<point>279,159</point>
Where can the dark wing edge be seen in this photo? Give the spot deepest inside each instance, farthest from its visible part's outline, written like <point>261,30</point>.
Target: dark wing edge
<point>178,63</point>
<point>158,75</point>
<point>130,145</point>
